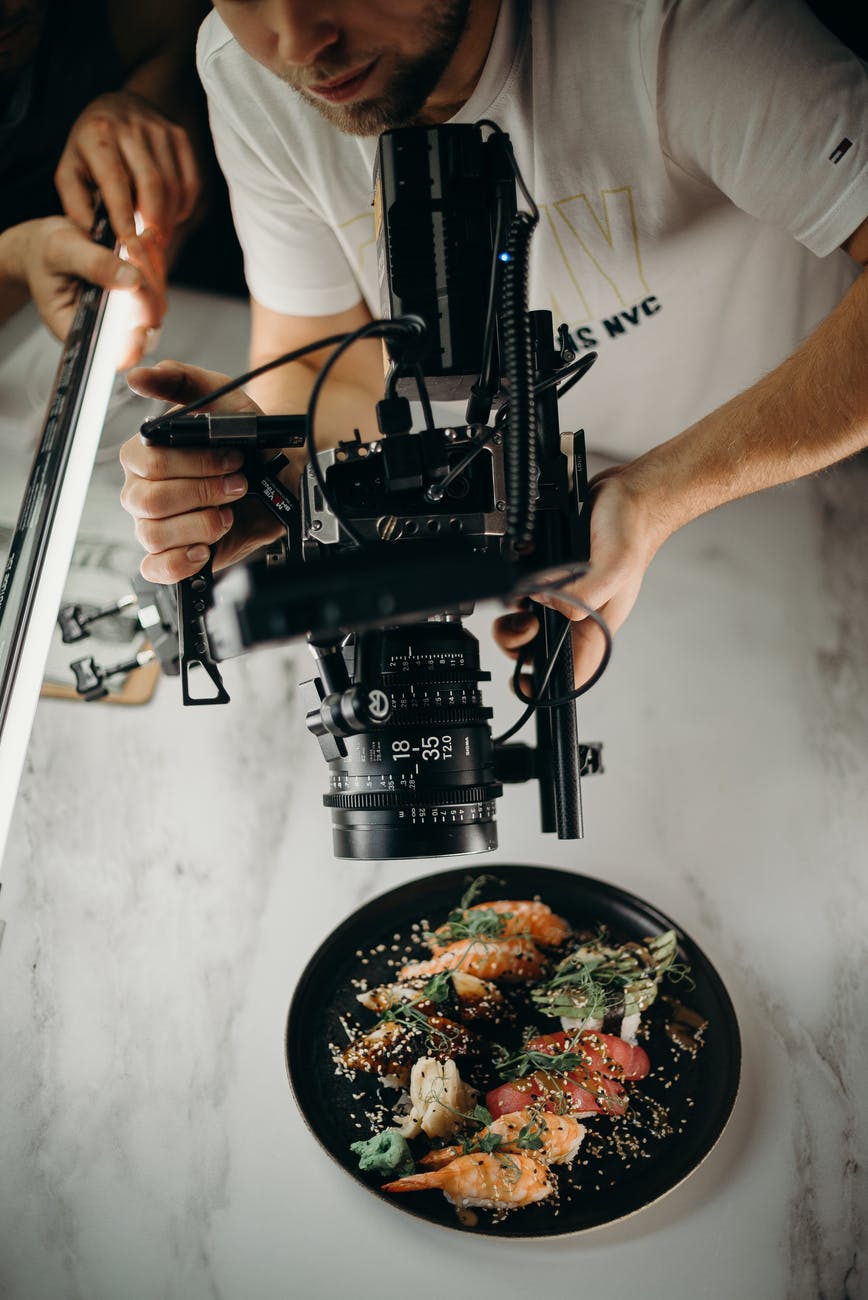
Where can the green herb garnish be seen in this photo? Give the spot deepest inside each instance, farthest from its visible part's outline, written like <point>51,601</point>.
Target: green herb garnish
<point>487,1142</point>
<point>462,923</point>
<point>438,988</point>
<point>525,1062</point>
<point>405,1013</point>
<point>599,979</point>
<point>483,924</point>
<point>530,1137</point>
<point>473,890</point>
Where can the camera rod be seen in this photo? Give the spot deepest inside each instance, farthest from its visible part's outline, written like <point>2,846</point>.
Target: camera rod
<point>555,542</point>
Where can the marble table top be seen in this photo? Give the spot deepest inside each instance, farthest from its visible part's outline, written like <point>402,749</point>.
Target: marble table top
<point>169,873</point>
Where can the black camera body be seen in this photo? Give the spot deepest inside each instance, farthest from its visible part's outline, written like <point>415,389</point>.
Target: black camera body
<point>443,200</point>
<point>390,543</point>
<point>390,490</point>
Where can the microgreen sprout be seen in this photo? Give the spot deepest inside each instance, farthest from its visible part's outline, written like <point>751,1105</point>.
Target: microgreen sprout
<point>438,1036</point>
<point>530,1137</point>
<point>518,1064</point>
<point>437,988</point>
<point>462,923</point>
<point>599,979</point>
<point>474,889</point>
<point>484,924</point>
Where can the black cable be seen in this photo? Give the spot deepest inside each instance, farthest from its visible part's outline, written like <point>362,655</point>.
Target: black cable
<point>536,702</point>
<point>596,617</point>
<point>424,399</point>
<point>572,373</point>
<point>576,370</point>
<point>372,329</point>
<point>479,403</point>
<point>230,387</point>
<point>517,349</point>
<point>520,442</point>
<point>507,144</point>
<point>341,342</point>
<point>531,708</point>
<point>485,376</point>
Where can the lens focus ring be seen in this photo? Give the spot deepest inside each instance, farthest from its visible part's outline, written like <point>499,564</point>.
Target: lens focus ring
<point>415,798</point>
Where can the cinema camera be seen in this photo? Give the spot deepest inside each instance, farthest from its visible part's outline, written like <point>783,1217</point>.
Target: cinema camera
<point>389,543</point>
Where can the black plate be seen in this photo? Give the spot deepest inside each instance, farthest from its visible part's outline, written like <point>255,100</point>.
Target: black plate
<point>697,1091</point>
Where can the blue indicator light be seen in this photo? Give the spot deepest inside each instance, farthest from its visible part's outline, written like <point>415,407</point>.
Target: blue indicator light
<point>504,257</point>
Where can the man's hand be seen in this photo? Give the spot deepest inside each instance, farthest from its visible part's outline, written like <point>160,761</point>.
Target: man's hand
<point>51,256</point>
<point>137,159</point>
<point>624,539</point>
<point>185,501</point>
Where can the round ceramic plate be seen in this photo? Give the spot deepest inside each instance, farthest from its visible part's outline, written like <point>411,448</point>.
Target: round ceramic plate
<point>692,1092</point>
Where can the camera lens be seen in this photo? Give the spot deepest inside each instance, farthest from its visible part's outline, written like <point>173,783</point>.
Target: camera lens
<point>422,784</point>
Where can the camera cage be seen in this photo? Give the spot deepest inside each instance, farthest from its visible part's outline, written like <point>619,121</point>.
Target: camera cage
<point>390,543</point>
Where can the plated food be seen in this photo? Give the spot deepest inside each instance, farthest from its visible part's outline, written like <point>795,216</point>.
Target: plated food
<point>515,1061</point>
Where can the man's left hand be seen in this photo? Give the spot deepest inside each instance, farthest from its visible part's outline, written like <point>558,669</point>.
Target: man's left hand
<point>624,540</point>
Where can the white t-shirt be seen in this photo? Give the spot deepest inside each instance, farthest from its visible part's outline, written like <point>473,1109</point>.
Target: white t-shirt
<point>696,164</point>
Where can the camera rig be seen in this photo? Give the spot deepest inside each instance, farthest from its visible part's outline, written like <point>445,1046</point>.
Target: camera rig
<point>389,543</point>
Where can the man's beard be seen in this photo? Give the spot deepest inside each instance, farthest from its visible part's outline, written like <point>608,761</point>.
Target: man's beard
<point>413,81</point>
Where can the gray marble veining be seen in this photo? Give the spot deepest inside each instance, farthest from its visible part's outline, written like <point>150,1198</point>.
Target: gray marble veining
<point>169,873</point>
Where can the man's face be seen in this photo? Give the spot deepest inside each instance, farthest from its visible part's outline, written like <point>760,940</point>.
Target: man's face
<point>365,65</point>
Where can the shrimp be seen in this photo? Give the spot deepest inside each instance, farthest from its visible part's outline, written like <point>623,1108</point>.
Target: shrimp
<point>525,916</point>
<point>561,1137</point>
<point>488,1180</point>
<point>488,959</point>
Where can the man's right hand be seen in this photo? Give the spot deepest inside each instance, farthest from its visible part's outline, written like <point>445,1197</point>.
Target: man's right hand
<point>184,502</point>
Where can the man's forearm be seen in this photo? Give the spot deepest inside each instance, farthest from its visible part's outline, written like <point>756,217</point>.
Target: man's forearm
<point>343,406</point>
<point>805,415</point>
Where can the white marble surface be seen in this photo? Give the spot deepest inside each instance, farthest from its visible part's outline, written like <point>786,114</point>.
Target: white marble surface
<point>169,873</point>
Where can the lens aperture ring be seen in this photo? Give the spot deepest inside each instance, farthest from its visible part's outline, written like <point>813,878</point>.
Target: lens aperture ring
<point>449,716</point>
<point>385,799</point>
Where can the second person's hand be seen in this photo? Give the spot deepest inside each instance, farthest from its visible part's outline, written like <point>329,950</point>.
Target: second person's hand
<point>136,158</point>
<point>51,256</point>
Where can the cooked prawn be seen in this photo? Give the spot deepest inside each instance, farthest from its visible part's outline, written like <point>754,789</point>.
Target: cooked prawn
<point>488,959</point>
<point>561,1137</point>
<point>483,1179</point>
<point>524,916</point>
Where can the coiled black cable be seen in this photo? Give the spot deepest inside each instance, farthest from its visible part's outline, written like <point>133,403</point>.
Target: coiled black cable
<point>520,443</point>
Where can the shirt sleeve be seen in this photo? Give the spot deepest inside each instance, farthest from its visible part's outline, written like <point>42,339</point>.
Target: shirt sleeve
<point>293,263</point>
<point>757,98</point>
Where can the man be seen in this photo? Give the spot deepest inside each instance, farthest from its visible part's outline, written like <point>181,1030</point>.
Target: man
<point>94,97</point>
<point>691,161</point>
